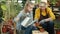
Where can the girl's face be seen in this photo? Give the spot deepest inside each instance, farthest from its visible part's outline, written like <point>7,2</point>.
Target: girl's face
<point>30,7</point>
<point>42,5</point>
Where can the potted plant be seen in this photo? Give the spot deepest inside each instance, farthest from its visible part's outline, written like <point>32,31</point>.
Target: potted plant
<point>57,28</point>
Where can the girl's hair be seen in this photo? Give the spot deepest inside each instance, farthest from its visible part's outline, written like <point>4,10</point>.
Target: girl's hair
<point>27,4</point>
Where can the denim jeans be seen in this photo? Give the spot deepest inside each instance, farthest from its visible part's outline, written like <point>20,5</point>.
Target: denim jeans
<point>29,29</point>
<point>49,27</point>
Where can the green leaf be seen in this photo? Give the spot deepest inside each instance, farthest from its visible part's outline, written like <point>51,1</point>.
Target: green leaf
<point>3,7</point>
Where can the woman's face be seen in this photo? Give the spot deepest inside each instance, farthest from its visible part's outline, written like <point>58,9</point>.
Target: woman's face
<point>42,5</point>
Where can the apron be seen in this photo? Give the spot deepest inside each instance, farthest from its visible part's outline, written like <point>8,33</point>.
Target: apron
<point>43,17</point>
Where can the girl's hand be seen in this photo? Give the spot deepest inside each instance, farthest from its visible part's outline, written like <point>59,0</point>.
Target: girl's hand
<point>37,24</point>
<point>42,21</point>
<point>48,19</point>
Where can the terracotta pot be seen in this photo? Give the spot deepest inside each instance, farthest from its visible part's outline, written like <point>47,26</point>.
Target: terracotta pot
<point>57,31</point>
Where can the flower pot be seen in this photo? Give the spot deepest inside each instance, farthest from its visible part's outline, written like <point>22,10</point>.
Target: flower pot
<point>58,31</point>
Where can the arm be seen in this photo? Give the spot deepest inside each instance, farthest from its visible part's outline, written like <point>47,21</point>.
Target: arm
<point>51,15</point>
<point>37,14</point>
<point>16,19</point>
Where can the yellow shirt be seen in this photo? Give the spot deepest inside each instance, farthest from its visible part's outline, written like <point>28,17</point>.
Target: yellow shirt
<point>49,11</point>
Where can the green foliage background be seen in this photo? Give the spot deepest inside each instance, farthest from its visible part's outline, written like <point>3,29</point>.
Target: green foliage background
<point>11,9</point>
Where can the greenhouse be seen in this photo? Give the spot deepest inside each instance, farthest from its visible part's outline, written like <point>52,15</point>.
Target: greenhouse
<point>29,16</point>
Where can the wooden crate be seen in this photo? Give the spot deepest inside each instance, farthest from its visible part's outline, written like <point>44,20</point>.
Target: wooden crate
<point>35,32</point>
<point>38,32</point>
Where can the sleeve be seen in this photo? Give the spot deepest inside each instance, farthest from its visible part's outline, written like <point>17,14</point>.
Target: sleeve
<point>19,15</point>
<point>32,15</point>
<point>37,14</point>
<point>51,14</point>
